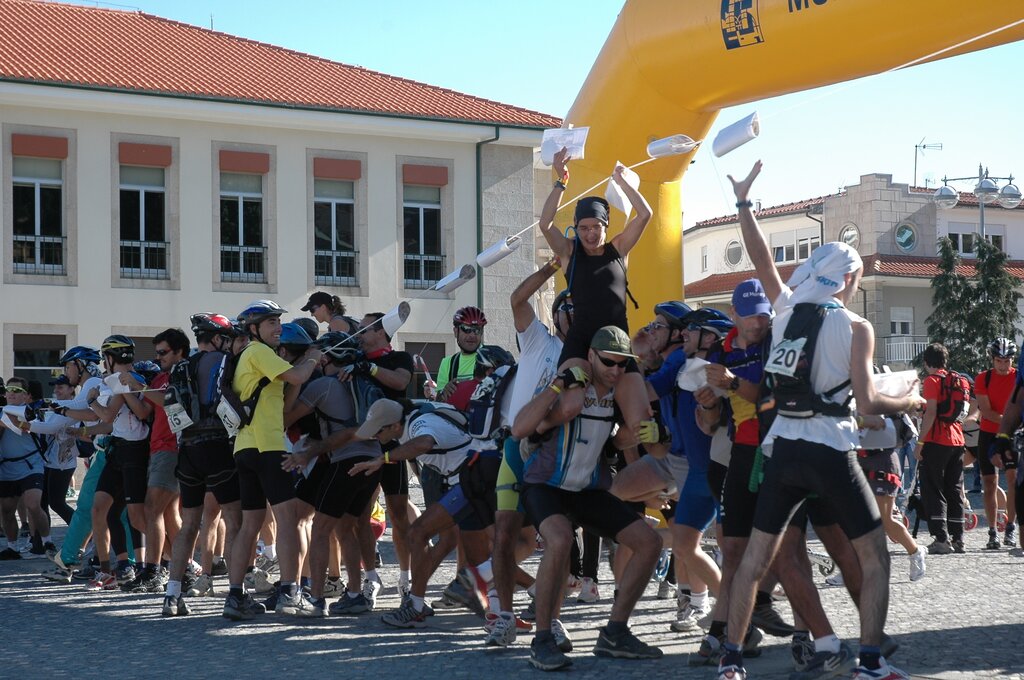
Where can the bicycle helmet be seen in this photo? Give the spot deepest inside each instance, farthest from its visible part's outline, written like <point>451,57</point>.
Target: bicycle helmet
<point>80,353</point>
<point>675,313</point>
<point>563,303</point>
<point>710,320</point>
<point>471,316</point>
<point>208,322</point>
<point>311,327</point>
<point>258,311</point>
<point>120,347</point>
<point>494,356</point>
<point>342,348</point>
<point>294,338</point>
<point>1002,348</point>
<point>147,369</point>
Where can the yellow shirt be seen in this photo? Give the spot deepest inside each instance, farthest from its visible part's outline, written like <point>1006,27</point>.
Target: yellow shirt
<point>266,431</point>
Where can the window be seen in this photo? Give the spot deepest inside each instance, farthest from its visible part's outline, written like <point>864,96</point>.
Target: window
<point>901,321</point>
<point>424,259</point>
<point>143,223</point>
<point>334,257</point>
<point>703,258</point>
<point>36,357</point>
<point>38,235</point>
<point>806,246</point>
<point>432,353</point>
<point>733,253</point>
<point>784,253</point>
<point>144,349</point>
<point>243,256</point>
<point>963,243</point>
<point>906,237</point>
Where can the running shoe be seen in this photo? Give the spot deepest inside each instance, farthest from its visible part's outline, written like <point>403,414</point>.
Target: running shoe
<point>836,579</point>
<point>475,588</point>
<point>148,582</point>
<point>1017,552</point>
<point>993,541</point>
<point>883,672</point>
<point>731,672</point>
<point>404,587</point>
<point>57,574</point>
<point>572,585</point>
<point>939,548</point>
<point>9,553</point>
<point>51,550</point>
<point>319,607</point>
<point>546,656</point>
<point>370,590</point>
<point>561,636</point>
<point>1010,536</point>
<point>350,606</point>
<point>34,553</point>
<point>125,575</point>
<point>666,590</point>
<point>298,604</point>
<point>624,646</point>
<point>687,615</point>
<point>802,650</point>
<point>378,560</point>
<point>270,604</point>
<point>827,664</point>
<point>175,606</point>
<point>888,646</point>
<point>86,573</point>
<point>405,616</point>
<point>102,581</point>
<point>333,587</point>
<point>530,613</point>
<point>266,564</point>
<point>770,621</point>
<point>501,631</point>
<point>220,568</point>
<point>751,643</point>
<point>589,593</point>
<point>203,587</point>
<point>709,652</point>
<point>242,608</point>
<point>958,547</point>
<point>258,581</point>
<point>917,568</point>
<point>457,593</point>
<point>490,618</point>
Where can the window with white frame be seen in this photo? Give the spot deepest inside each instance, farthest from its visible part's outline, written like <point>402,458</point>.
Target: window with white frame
<point>964,236</point>
<point>806,246</point>
<point>38,211</point>
<point>703,258</point>
<point>37,356</point>
<point>334,256</point>
<point>423,252</point>
<point>243,255</point>
<point>901,321</point>
<point>794,245</point>
<point>734,253</point>
<point>143,223</point>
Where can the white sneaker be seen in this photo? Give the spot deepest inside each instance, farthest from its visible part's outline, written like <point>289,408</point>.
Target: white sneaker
<point>917,568</point>
<point>666,590</point>
<point>589,593</point>
<point>333,588</point>
<point>688,617</point>
<point>501,631</point>
<point>370,591</point>
<point>258,581</point>
<point>203,587</point>
<point>561,635</point>
<point>836,579</point>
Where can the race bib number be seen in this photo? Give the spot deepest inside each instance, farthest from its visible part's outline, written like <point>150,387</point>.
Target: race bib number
<point>784,356</point>
<point>177,419</point>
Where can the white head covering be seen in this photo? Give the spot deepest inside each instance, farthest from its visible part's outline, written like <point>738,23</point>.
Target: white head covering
<point>821,277</point>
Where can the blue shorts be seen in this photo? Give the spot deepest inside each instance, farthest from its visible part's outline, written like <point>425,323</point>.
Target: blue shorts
<point>455,504</point>
<point>696,508</point>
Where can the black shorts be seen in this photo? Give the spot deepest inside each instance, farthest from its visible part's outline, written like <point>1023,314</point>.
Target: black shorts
<point>882,469</point>
<point>716,479</point>
<point>434,485</point>
<point>982,460</point>
<point>798,469</point>
<point>343,494</point>
<point>261,479</point>
<point>394,477</point>
<point>596,510</point>
<point>306,487</point>
<point>126,473</point>
<point>816,511</point>
<point>207,465</point>
<point>478,480</point>
<point>738,501</point>
<point>15,488</point>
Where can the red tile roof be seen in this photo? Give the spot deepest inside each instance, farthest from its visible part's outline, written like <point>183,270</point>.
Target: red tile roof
<point>903,266</point>
<point>774,211</point>
<point>60,44</point>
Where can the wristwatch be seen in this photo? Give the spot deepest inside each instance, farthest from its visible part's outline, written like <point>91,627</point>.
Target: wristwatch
<point>735,384</point>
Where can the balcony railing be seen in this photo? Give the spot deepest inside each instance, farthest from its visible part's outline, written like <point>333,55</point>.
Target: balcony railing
<point>244,264</point>
<point>39,255</point>
<point>335,267</point>
<point>423,271</point>
<point>144,259</point>
<point>904,348</point>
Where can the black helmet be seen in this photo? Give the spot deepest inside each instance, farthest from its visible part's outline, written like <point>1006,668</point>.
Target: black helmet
<point>208,322</point>
<point>342,348</point>
<point>120,347</point>
<point>562,303</point>
<point>311,327</point>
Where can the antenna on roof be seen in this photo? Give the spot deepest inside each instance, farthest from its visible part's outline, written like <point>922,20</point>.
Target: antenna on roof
<point>211,21</point>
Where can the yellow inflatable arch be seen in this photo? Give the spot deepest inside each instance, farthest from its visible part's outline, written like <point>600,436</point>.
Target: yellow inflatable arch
<point>669,66</point>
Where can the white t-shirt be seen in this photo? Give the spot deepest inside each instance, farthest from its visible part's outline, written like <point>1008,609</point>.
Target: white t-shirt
<point>81,400</point>
<point>126,425</point>
<point>446,436</point>
<point>538,365</point>
<point>62,454</point>
<point>831,367</point>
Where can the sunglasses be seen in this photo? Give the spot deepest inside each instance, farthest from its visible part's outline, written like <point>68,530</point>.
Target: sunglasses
<point>611,363</point>
<point>654,326</point>
<point>162,352</point>
<point>17,389</point>
<point>471,330</point>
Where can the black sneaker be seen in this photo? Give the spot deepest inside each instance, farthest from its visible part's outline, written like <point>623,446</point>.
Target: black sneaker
<point>827,664</point>
<point>129,585</point>
<point>993,541</point>
<point>242,608</point>
<point>86,573</point>
<point>624,646</point>
<point>767,619</point>
<point>958,547</point>
<point>547,656</point>
<point>148,582</point>
<point>175,606</point>
<point>220,568</point>
<point>271,602</point>
<point>9,554</point>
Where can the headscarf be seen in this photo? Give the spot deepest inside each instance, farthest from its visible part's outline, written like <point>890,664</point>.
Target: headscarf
<point>821,277</point>
<point>591,206</point>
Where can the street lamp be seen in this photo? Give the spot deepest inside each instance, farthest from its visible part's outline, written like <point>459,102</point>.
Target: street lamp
<point>987,191</point>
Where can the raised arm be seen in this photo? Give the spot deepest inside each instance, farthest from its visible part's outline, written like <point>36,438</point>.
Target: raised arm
<point>753,238</point>
<point>629,237</point>
<point>301,372</point>
<point>522,313</point>
<point>556,240</point>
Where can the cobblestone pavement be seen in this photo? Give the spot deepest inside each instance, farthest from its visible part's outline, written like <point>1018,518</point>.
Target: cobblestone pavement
<point>964,620</point>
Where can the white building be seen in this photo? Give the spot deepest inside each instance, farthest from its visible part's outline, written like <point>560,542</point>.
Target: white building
<point>894,228</point>
<point>152,169</point>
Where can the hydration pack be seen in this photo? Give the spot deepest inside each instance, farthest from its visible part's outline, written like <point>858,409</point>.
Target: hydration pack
<point>183,391</point>
<point>484,410</point>
<point>788,365</point>
<point>955,399</point>
<point>234,412</point>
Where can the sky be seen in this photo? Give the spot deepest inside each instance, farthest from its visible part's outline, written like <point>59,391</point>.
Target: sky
<point>538,54</point>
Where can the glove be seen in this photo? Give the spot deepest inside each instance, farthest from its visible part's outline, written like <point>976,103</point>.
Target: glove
<point>648,432</point>
<point>574,376</point>
<point>362,367</point>
<point>1001,446</point>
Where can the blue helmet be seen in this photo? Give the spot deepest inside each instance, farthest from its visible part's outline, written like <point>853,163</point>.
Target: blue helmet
<point>710,320</point>
<point>147,369</point>
<point>675,313</point>
<point>295,337</point>
<point>258,311</point>
<point>87,355</point>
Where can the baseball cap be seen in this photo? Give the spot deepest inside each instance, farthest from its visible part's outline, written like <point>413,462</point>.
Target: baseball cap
<point>749,299</point>
<point>61,380</point>
<point>613,340</point>
<point>382,413</point>
<point>316,299</point>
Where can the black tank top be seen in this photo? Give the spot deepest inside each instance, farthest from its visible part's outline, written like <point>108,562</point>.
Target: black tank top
<point>597,284</point>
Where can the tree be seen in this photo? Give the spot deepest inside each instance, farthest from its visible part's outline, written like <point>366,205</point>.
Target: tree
<point>971,312</point>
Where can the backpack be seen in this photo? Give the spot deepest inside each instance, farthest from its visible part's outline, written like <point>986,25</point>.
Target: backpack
<point>954,398</point>
<point>364,392</point>
<point>787,368</point>
<point>182,399</point>
<point>484,411</point>
<point>234,412</point>
<point>447,413</point>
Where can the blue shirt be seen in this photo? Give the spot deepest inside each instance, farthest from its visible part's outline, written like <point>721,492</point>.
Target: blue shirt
<point>678,411</point>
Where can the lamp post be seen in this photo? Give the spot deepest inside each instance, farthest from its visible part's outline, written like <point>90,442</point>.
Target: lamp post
<point>987,191</point>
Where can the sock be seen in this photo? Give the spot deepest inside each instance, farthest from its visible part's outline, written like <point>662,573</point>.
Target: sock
<point>417,602</point>
<point>699,600</point>
<point>486,572</point>
<point>122,565</point>
<point>173,588</point>
<point>870,657</point>
<point>801,635</point>
<point>405,576</point>
<point>45,540</point>
<point>732,655</point>
<point>352,595</point>
<point>683,589</point>
<point>671,575</point>
<point>105,567</point>
<point>616,628</point>
<point>333,579</point>
<point>305,582</point>
<point>165,564</point>
<point>763,598</point>
<point>828,643</point>
<point>150,568</point>
<point>544,636</point>
<point>717,629</point>
<point>236,591</point>
<point>270,551</point>
<point>217,559</point>
<point>371,575</point>
<point>493,602</point>
<point>288,589</point>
